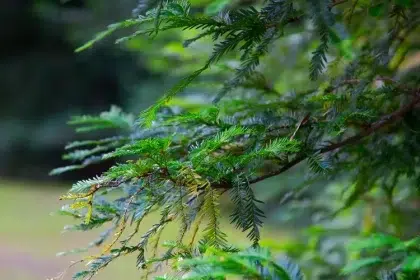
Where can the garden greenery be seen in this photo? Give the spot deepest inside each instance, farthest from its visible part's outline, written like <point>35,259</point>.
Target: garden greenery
<point>350,114</point>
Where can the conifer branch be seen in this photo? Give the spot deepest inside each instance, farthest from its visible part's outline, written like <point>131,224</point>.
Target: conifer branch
<point>382,122</point>
<point>184,155</point>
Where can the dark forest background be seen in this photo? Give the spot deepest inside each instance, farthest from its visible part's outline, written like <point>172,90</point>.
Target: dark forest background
<point>43,82</point>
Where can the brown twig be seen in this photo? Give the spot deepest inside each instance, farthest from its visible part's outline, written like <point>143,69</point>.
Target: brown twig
<point>357,81</point>
<point>353,7</point>
<point>301,123</point>
<point>289,20</point>
<point>370,129</point>
<point>61,275</point>
<point>337,2</point>
<point>123,223</point>
<point>382,122</point>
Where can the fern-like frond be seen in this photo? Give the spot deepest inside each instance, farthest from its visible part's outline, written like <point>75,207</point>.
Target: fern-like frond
<point>323,20</point>
<point>141,258</point>
<point>250,62</point>
<point>277,11</point>
<point>246,214</point>
<point>78,155</point>
<point>114,118</point>
<point>84,186</point>
<point>145,147</point>
<point>111,29</point>
<point>319,163</point>
<point>149,115</point>
<point>211,144</point>
<point>213,234</point>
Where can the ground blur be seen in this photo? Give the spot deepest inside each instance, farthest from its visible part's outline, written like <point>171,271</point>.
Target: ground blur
<point>29,242</point>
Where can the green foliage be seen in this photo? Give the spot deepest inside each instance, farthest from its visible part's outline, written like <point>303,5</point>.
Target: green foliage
<point>251,263</point>
<point>345,107</point>
<point>402,254</point>
<point>246,215</point>
<point>112,119</point>
<point>323,20</point>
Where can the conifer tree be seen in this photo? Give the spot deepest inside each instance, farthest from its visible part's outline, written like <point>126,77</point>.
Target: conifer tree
<point>350,115</point>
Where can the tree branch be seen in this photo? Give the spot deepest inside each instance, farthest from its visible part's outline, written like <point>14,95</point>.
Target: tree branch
<point>382,122</point>
<point>337,2</point>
